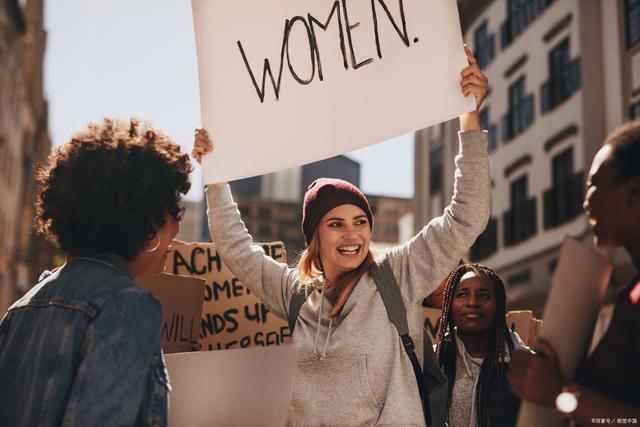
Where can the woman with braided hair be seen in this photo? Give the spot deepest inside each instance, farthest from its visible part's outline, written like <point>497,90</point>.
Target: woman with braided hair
<point>473,347</point>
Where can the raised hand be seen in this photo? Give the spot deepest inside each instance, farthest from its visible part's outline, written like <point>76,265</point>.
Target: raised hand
<point>201,144</point>
<point>473,80</point>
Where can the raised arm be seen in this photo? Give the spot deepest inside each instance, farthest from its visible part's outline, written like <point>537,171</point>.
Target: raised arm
<point>422,262</point>
<point>270,280</point>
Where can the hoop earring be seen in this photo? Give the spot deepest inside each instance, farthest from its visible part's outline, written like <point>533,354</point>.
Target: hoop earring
<point>155,248</point>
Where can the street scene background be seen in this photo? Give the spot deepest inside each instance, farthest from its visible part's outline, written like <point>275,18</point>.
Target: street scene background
<point>562,74</point>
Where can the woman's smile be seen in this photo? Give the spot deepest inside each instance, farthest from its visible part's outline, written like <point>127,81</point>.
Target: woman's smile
<point>349,250</point>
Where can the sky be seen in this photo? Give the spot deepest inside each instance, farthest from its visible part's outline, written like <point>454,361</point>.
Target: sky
<point>122,58</point>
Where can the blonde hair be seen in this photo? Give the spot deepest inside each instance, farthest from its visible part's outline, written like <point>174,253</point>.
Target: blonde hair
<point>310,269</point>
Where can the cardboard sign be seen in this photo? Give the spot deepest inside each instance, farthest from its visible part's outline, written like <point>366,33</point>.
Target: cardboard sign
<point>431,321</point>
<point>523,322</point>
<point>181,299</point>
<point>243,387</point>
<point>577,292</point>
<point>289,82</point>
<point>232,317</point>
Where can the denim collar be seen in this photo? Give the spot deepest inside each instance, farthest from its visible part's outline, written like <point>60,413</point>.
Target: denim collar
<point>106,258</point>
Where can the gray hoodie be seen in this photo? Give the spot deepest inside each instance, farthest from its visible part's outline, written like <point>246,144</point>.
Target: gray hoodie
<point>463,411</point>
<point>353,370</point>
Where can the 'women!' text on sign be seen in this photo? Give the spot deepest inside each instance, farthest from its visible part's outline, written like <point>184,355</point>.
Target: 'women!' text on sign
<point>288,82</point>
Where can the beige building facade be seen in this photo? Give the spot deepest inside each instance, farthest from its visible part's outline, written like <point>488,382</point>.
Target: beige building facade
<point>387,214</point>
<point>562,74</point>
<point>24,143</point>
<point>270,220</point>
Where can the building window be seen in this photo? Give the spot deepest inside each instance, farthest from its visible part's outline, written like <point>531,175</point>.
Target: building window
<point>484,44</point>
<point>564,77</point>
<point>563,201</point>
<point>520,13</point>
<point>519,221</point>
<point>562,166</point>
<point>520,113</point>
<point>632,21</point>
<point>519,278</point>
<point>435,160</point>
<point>487,242</point>
<point>485,124</point>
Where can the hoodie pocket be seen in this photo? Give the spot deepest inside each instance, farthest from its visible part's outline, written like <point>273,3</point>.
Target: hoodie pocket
<point>333,391</point>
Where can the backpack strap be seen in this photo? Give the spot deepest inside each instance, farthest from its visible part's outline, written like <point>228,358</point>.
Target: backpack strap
<point>390,292</point>
<point>298,298</point>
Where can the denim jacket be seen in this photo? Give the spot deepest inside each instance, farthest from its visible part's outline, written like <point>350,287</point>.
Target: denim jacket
<point>82,348</point>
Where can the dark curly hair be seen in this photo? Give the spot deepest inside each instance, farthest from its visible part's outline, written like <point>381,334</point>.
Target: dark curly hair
<point>110,188</point>
<point>492,366</point>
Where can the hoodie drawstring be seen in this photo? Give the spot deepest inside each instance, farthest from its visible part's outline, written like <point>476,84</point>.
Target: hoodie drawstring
<point>463,352</point>
<point>314,353</point>
<point>326,343</point>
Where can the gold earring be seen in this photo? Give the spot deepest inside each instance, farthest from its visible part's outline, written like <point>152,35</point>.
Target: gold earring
<point>155,248</point>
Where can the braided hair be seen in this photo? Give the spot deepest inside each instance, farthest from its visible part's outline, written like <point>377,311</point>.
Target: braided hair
<point>492,365</point>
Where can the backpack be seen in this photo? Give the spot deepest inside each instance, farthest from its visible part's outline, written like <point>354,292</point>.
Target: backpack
<point>432,382</point>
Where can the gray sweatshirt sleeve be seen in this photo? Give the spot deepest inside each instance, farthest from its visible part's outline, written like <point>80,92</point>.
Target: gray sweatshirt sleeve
<point>423,262</point>
<point>269,280</point>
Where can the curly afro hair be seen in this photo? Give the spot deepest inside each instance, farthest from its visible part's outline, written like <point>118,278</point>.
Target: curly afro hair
<point>110,188</point>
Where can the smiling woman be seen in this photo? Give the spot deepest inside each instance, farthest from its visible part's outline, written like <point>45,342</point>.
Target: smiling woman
<point>473,346</point>
<point>352,367</point>
<point>337,223</point>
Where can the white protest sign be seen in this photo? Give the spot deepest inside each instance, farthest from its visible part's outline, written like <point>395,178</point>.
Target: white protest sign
<point>577,292</point>
<point>289,82</point>
<point>242,387</point>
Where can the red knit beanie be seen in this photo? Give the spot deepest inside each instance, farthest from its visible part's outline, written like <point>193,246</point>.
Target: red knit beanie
<point>325,194</point>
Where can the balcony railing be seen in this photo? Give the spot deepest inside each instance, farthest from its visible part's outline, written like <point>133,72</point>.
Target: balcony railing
<point>487,242</point>
<point>520,222</point>
<point>517,119</point>
<point>560,86</point>
<point>563,202</point>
